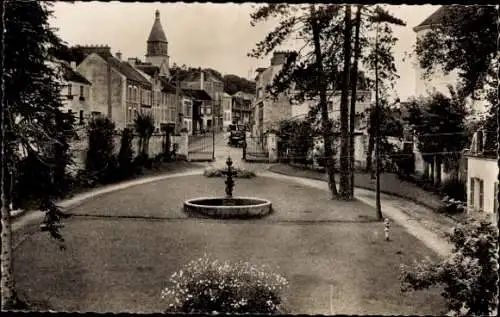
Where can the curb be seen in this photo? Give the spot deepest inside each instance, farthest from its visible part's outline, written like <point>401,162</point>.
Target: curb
<point>66,203</point>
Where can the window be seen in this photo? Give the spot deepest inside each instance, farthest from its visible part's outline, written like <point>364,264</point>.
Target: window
<point>495,200</point>
<point>481,194</point>
<point>472,191</point>
<point>208,110</point>
<point>81,116</point>
<point>70,87</point>
<point>330,106</point>
<point>81,91</point>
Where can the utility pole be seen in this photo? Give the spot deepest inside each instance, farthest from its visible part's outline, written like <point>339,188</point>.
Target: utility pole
<point>377,132</point>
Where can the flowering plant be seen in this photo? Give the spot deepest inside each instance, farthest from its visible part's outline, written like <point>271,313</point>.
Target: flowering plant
<point>469,275</point>
<point>206,286</point>
<point>220,172</point>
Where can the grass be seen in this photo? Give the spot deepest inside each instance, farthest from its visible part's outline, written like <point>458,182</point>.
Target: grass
<point>389,183</point>
<point>322,247</point>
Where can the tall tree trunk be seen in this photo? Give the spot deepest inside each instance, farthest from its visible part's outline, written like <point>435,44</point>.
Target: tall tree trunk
<point>377,133</point>
<point>438,170</point>
<point>344,110</point>
<point>8,294</point>
<point>354,82</point>
<point>325,122</point>
<point>371,143</point>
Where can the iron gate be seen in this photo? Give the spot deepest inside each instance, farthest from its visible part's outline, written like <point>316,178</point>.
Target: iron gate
<point>201,147</point>
<point>255,149</point>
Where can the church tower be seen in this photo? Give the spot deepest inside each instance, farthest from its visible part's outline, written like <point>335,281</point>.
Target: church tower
<point>157,47</point>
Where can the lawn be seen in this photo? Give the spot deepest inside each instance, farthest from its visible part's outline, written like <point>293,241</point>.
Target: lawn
<point>121,262</point>
<point>389,184</point>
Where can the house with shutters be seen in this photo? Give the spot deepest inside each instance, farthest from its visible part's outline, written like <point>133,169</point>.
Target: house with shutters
<point>118,91</point>
<point>482,176</point>
<point>75,91</point>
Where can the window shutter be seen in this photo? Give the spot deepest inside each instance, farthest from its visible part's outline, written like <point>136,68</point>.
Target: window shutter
<point>471,193</point>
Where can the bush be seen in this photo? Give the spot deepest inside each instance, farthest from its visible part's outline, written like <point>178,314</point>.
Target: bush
<point>452,206</point>
<point>220,172</point>
<point>454,188</point>
<point>100,159</point>
<point>126,154</point>
<point>205,286</point>
<point>469,275</point>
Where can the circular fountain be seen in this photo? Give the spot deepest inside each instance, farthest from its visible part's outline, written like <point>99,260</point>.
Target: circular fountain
<point>229,206</point>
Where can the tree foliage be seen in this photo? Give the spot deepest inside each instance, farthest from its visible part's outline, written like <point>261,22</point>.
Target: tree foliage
<point>233,84</point>
<point>469,275</point>
<point>100,161</point>
<point>35,130</point>
<point>465,41</point>
<point>440,127</point>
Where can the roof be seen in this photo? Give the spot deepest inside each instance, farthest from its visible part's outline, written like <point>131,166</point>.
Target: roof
<point>157,34</point>
<point>148,69</point>
<point>126,69</point>
<point>70,74</point>
<point>168,87</point>
<point>433,19</point>
<point>197,94</point>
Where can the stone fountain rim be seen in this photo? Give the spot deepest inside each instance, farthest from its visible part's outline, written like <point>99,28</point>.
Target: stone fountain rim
<point>190,202</point>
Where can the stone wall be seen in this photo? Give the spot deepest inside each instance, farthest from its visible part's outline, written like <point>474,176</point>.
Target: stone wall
<point>78,148</point>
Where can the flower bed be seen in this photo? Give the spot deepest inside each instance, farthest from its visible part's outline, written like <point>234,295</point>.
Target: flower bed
<point>220,172</point>
<point>206,286</point>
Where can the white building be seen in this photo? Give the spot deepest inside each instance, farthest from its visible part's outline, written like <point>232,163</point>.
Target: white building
<point>438,81</point>
<point>75,92</point>
<point>227,110</point>
<point>482,179</point>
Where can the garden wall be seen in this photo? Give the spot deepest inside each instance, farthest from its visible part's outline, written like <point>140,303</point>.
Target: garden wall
<point>78,148</point>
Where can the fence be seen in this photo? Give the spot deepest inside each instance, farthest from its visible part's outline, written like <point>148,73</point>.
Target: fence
<point>78,148</point>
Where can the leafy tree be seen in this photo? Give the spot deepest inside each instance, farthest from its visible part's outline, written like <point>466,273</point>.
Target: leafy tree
<point>469,275</point>
<point>391,125</point>
<point>100,160</point>
<point>126,154</point>
<point>465,41</point>
<point>35,131</point>
<point>312,70</point>
<point>144,126</point>
<point>233,84</point>
<point>439,125</point>
<point>297,137</point>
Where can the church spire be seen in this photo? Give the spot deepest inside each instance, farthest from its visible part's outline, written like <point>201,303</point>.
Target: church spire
<point>157,34</point>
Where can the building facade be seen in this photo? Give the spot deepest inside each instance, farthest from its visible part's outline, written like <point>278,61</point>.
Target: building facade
<point>75,93</point>
<point>227,103</point>
<point>267,112</point>
<point>119,91</point>
<point>482,178</point>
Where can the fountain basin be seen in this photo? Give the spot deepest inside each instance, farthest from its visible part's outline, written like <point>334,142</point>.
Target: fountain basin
<point>224,207</point>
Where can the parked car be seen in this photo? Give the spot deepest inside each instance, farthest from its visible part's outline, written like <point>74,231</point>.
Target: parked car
<point>236,135</point>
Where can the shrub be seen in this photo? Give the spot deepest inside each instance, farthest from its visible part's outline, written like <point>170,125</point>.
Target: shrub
<point>454,188</point>
<point>205,286</point>
<point>469,274</point>
<point>100,158</point>
<point>126,154</point>
<point>452,206</point>
<point>220,172</point>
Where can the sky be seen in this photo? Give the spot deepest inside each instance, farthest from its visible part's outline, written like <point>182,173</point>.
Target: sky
<point>204,35</point>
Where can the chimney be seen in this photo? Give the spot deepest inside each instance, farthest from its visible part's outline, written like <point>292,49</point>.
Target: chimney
<point>202,80</point>
<point>119,55</point>
<point>73,65</point>
<point>131,61</point>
